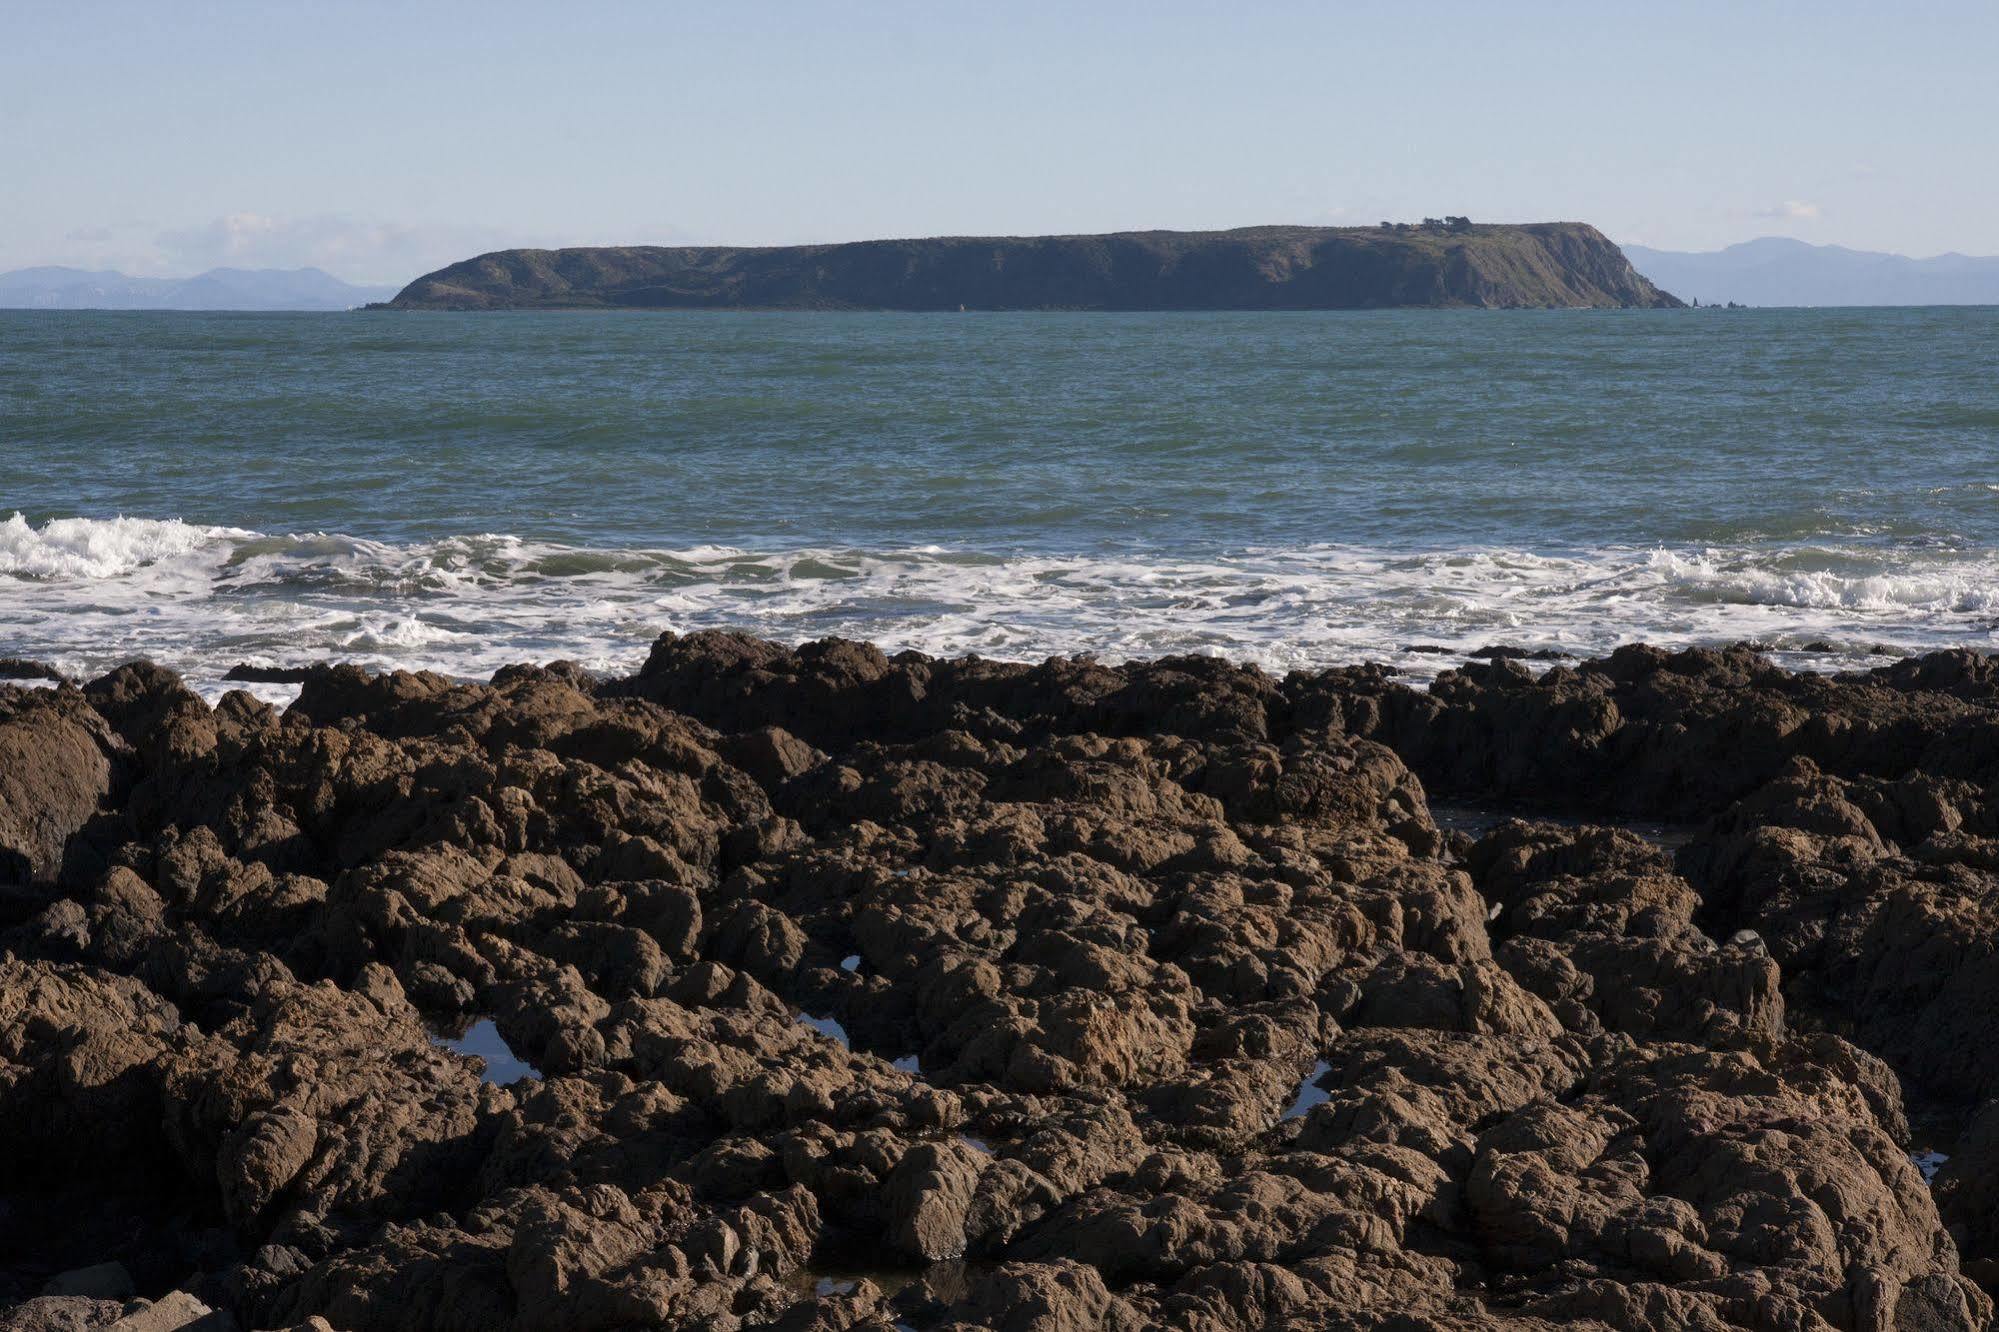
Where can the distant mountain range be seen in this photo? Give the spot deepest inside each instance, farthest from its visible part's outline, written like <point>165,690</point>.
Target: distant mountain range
<point>218,289</point>
<point>1778,271</point>
<point>1771,271</point>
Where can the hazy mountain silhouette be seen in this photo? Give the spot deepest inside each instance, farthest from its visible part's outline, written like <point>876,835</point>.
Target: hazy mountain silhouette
<point>1779,271</point>
<point>54,288</point>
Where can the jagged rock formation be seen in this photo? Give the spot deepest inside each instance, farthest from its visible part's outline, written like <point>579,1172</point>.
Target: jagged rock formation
<point>1168,1003</point>
<point>1547,264</point>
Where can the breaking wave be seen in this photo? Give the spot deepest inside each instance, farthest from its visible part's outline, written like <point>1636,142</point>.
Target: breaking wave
<point>86,593</point>
<point>84,548</point>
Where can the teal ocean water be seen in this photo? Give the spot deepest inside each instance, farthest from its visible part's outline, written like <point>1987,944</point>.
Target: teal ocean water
<point>458,492</point>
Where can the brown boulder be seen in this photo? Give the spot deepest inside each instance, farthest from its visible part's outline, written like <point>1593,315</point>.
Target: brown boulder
<point>54,775</point>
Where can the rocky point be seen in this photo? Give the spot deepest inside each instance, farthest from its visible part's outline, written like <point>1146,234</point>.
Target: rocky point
<point>871,992</point>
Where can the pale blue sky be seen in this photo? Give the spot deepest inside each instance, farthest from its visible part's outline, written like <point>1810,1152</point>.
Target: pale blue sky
<point>381,140</point>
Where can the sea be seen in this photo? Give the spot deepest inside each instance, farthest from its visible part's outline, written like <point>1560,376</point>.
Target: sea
<point>456,492</point>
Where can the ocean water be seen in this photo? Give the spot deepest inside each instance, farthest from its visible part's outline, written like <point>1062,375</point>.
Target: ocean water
<point>457,491</point>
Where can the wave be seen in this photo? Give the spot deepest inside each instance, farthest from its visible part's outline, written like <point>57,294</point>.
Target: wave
<point>1969,589</point>
<point>87,593</point>
<point>99,547</point>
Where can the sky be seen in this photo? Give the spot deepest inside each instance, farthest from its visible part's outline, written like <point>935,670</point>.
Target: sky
<point>379,141</point>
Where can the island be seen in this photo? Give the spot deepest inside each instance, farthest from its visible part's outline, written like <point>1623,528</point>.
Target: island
<point>1437,263</point>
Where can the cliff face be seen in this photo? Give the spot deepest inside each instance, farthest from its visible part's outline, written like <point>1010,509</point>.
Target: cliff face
<point>1547,264</point>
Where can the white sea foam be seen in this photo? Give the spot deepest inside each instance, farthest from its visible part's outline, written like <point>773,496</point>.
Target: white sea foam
<point>86,594</point>
<point>99,548</point>
<point>1967,591</point>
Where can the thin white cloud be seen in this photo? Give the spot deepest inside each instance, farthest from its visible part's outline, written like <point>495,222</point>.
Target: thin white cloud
<point>357,249</point>
<point>1792,210</point>
<point>362,250</point>
<point>124,246</point>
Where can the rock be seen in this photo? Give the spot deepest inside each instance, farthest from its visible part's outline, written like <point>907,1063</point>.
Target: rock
<point>1052,1297</point>
<point>1072,995</point>
<point>18,668</point>
<point>1965,1196</point>
<point>102,1281</point>
<point>54,774</point>
<point>260,1157</point>
<point>929,1194</point>
<point>61,1313</point>
<point>267,674</point>
<point>169,1313</point>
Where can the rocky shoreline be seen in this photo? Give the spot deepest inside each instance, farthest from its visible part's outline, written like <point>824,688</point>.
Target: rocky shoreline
<point>868,992</point>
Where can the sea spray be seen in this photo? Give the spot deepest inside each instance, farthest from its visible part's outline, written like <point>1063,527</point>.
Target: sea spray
<point>87,594</point>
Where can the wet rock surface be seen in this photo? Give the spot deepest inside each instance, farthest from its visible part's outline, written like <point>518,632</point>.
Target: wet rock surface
<point>1216,1027</point>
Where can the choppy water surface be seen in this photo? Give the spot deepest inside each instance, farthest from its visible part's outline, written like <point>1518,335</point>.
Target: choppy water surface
<point>458,492</point>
